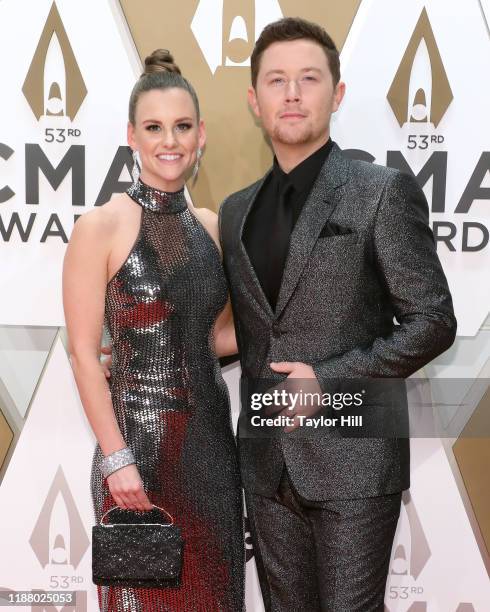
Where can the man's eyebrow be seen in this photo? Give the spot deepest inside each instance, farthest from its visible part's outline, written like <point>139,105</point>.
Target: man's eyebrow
<point>275,71</point>
<point>306,69</point>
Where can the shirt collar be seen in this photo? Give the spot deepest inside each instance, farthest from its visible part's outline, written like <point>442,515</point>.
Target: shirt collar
<point>304,174</point>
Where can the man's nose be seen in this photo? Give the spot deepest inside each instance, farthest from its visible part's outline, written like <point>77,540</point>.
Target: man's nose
<point>293,91</point>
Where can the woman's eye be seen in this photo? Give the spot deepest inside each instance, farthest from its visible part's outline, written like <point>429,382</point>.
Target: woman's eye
<point>183,127</point>
<point>153,127</point>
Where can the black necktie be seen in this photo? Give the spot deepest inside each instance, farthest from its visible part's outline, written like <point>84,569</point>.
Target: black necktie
<point>280,235</point>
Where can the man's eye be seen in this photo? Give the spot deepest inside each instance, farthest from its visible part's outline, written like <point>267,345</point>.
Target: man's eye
<point>153,127</point>
<point>277,81</point>
<point>309,77</point>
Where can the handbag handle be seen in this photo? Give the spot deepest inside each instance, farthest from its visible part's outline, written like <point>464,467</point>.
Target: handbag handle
<point>155,506</point>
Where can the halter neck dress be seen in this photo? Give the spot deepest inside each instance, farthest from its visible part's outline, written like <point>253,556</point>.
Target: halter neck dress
<point>172,405</point>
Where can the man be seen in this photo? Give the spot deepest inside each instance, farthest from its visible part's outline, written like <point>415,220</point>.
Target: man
<point>322,254</point>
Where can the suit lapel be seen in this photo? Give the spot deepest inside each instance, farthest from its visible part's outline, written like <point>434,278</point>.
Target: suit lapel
<point>317,209</point>
<point>250,277</point>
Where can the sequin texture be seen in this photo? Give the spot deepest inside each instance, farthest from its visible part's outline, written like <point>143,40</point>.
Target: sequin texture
<point>172,404</point>
<point>116,461</point>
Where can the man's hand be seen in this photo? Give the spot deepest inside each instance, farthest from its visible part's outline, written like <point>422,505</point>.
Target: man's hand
<point>294,369</point>
<point>106,363</point>
<point>307,383</point>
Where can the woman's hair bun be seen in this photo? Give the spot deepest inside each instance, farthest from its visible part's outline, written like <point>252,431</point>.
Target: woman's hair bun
<point>161,60</point>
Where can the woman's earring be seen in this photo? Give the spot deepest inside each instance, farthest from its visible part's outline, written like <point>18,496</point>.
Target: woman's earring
<point>135,173</point>
<point>196,165</point>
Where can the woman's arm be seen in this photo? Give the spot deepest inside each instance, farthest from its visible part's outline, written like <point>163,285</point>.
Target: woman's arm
<point>84,286</point>
<point>224,333</point>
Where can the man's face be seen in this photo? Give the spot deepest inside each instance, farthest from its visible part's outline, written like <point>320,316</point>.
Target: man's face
<point>294,94</point>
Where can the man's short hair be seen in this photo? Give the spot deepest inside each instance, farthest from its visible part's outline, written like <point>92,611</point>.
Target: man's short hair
<point>295,28</point>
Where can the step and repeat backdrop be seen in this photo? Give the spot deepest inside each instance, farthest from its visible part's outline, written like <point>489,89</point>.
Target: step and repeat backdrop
<point>417,99</point>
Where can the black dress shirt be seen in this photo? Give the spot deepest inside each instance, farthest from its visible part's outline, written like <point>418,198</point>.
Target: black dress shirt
<point>260,225</point>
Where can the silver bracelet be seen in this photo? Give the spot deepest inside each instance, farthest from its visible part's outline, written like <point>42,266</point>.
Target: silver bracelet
<point>116,461</point>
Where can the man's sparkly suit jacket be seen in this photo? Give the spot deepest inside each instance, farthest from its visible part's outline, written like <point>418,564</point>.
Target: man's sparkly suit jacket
<point>371,302</point>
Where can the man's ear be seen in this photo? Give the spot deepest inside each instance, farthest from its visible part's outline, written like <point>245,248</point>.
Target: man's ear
<point>338,95</point>
<point>252,101</point>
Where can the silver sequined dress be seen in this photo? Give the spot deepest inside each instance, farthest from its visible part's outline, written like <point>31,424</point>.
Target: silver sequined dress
<point>172,404</point>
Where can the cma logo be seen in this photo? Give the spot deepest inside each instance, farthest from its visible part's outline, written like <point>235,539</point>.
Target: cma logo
<point>227,38</point>
<point>54,85</point>
<point>59,537</point>
<point>420,92</point>
<point>412,552</point>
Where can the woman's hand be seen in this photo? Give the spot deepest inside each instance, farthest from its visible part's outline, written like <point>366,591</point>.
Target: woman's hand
<point>126,488</point>
<point>106,363</point>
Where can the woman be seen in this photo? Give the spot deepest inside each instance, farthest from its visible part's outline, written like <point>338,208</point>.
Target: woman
<point>149,266</point>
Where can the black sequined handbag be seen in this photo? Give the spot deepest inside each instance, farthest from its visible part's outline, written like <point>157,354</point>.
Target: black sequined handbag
<point>137,550</point>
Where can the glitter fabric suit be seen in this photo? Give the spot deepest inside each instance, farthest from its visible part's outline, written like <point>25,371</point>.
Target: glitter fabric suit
<point>172,405</point>
<point>323,508</point>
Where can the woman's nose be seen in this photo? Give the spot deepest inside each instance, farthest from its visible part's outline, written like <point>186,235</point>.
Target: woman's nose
<point>169,139</point>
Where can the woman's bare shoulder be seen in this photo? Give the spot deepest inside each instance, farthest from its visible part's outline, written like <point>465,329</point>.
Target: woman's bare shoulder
<point>208,218</point>
<point>104,220</point>
<point>207,213</point>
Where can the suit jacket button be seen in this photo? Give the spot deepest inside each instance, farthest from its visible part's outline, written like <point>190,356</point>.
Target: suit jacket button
<point>276,332</point>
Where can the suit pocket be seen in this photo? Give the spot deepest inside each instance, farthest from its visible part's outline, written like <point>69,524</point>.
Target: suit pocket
<point>332,229</point>
<point>338,241</point>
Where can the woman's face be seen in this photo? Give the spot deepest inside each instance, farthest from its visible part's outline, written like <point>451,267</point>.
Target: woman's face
<point>167,135</point>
